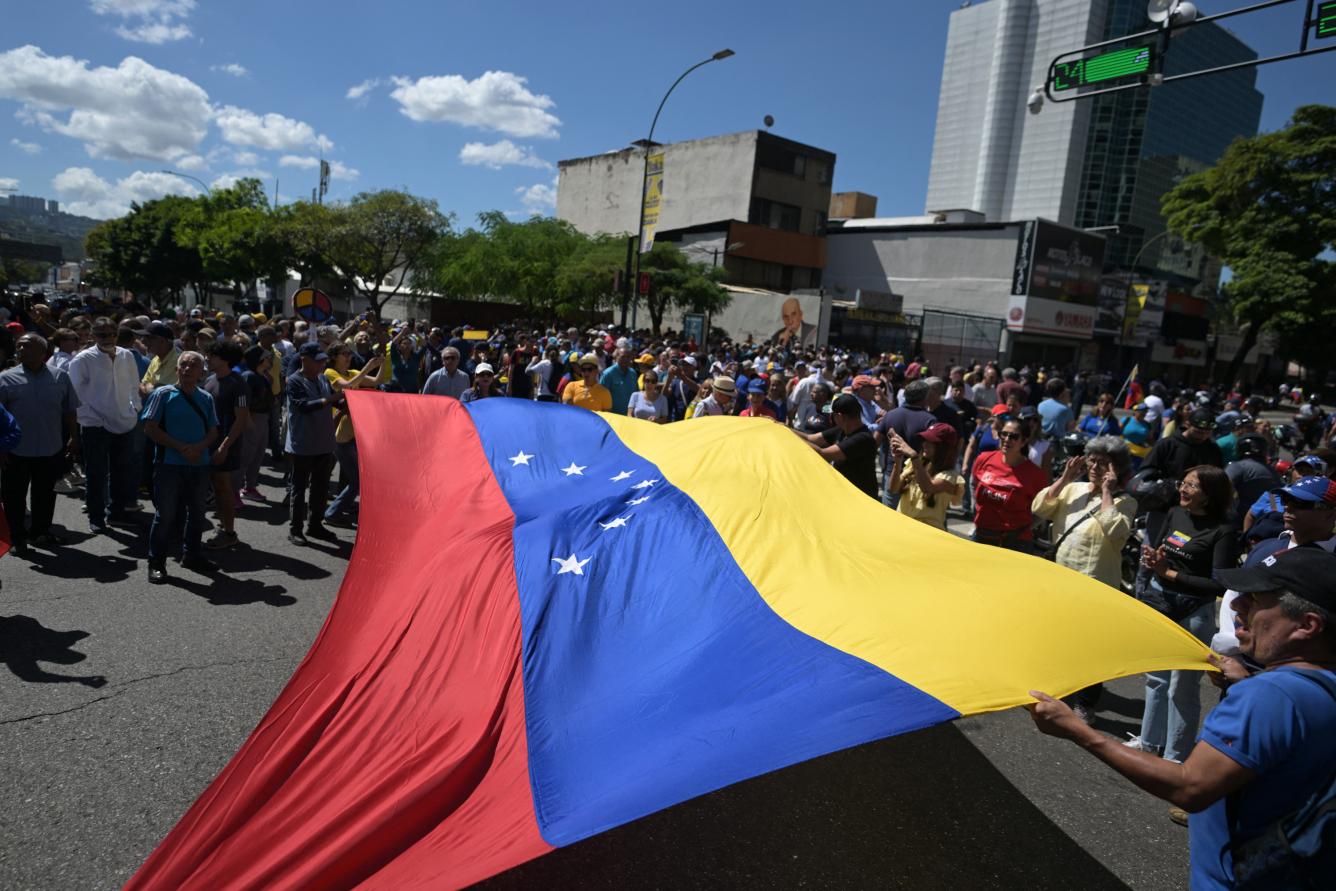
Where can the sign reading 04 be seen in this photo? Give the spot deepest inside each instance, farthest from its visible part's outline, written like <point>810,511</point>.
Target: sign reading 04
<point>1134,60</point>
<point>312,305</point>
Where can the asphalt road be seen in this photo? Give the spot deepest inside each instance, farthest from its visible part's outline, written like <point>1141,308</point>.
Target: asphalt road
<point>120,701</point>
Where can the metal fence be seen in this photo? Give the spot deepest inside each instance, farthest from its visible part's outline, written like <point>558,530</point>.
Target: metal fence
<point>949,338</point>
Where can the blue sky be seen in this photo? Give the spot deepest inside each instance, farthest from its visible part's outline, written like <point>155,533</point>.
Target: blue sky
<point>243,87</point>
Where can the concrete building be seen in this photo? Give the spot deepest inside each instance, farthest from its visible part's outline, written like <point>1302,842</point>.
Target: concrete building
<point>752,202</point>
<point>852,206</point>
<point>28,203</point>
<point>1098,162</point>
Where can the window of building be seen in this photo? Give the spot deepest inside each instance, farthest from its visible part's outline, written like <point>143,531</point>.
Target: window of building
<point>776,157</point>
<point>775,215</point>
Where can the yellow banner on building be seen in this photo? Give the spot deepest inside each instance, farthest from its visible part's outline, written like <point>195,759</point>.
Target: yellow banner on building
<point>649,212</point>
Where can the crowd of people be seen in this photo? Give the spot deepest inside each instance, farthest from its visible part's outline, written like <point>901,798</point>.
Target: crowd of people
<point>1184,499</point>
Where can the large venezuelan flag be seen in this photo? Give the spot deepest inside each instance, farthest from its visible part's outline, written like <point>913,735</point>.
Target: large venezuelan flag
<point>556,621</point>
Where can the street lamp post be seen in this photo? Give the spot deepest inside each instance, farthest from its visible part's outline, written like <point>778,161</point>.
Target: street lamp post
<point>203,185</point>
<point>644,184</point>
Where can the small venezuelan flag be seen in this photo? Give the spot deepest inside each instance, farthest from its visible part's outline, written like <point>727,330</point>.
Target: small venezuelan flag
<point>556,621</point>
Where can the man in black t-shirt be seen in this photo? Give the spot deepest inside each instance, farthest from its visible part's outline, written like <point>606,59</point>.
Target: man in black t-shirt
<point>849,444</point>
<point>229,392</point>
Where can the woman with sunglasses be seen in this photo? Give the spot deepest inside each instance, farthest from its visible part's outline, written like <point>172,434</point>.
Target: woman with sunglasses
<point>1005,484</point>
<point>1195,540</point>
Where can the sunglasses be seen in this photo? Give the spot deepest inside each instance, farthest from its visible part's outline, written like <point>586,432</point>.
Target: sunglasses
<point>1005,435</point>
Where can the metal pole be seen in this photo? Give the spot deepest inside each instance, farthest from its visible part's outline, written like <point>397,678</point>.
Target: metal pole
<point>644,175</point>
<point>201,182</point>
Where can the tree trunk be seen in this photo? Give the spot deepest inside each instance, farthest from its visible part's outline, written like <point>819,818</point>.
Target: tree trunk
<point>1249,341</point>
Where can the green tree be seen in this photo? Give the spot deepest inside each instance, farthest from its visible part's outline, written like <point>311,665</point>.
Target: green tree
<point>1268,211</point>
<point>674,281</point>
<point>141,253</point>
<point>235,236</point>
<point>309,234</point>
<point>384,236</point>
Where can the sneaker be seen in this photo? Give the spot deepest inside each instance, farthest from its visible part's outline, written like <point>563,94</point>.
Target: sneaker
<point>64,486</point>
<point>97,528</point>
<point>157,573</point>
<point>252,495</point>
<point>222,540</point>
<point>296,537</point>
<point>341,521</point>
<point>1178,815</point>
<point>318,530</point>
<point>1135,742</point>
<point>198,563</point>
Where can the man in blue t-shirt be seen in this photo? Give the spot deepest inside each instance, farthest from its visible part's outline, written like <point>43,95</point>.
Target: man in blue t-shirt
<point>181,420</point>
<point>1056,413</point>
<point>621,380</point>
<point>1266,749</point>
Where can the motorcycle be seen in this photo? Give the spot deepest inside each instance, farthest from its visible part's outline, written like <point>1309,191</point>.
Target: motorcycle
<point>1131,555</point>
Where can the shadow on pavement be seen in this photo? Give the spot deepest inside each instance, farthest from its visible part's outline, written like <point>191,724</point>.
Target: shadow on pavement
<point>223,590</point>
<point>924,810</point>
<point>24,642</point>
<point>247,559</point>
<point>72,563</point>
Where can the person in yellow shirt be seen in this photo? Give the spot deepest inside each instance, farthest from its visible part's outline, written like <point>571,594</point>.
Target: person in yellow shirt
<point>161,371</point>
<point>342,511</point>
<point>587,392</point>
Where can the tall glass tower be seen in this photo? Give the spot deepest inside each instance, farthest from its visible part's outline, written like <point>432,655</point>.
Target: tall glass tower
<point>1092,162</point>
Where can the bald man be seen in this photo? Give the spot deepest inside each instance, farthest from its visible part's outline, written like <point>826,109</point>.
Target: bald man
<point>796,333</point>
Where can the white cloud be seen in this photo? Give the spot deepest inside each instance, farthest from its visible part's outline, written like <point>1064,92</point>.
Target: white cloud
<point>232,68</point>
<point>340,171</point>
<point>192,163</point>
<point>500,154</point>
<point>271,132</point>
<point>246,159</point>
<point>498,100</point>
<point>232,177</point>
<point>337,169</point>
<point>359,91</point>
<point>83,192</point>
<point>540,198</point>
<point>8,183</point>
<point>132,111</point>
<point>29,148</point>
<point>304,162</point>
<point>148,21</point>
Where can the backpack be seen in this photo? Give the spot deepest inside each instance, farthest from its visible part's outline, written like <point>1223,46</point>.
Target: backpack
<point>1299,849</point>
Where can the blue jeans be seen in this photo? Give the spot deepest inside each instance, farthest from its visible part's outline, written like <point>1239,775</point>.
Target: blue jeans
<point>109,463</point>
<point>1173,698</point>
<point>345,503</point>
<point>179,493</point>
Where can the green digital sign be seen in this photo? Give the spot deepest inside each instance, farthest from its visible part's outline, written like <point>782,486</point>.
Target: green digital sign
<point>1326,19</point>
<point>1135,60</point>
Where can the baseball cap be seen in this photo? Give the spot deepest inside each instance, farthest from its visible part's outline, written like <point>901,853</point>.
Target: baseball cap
<point>16,327</point>
<point>725,384</point>
<point>1311,488</point>
<point>1307,572</point>
<point>1202,419</point>
<point>690,360</point>
<point>588,359</point>
<point>645,359</point>
<point>846,404</point>
<point>482,368</point>
<point>1140,406</point>
<point>999,409</point>
<point>864,380</point>
<point>940,432</point>
<point>756,385</point>
<point>1319,466</point>
<point>312,351</point>
<point>158,329</point>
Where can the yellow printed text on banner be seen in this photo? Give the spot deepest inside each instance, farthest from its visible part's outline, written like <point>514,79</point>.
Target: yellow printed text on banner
<point>649,212</point>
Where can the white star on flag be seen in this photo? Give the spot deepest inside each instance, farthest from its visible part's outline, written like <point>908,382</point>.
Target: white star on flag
<point>641,500</point>
<point>645,484</point>
<point>574,470</point>
<point>570,564</point>
<point>521,458</point>
<point>615,524</point>
<point>625,474</point>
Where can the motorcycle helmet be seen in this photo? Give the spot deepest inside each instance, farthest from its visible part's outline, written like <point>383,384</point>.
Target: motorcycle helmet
<point>1152,490</point>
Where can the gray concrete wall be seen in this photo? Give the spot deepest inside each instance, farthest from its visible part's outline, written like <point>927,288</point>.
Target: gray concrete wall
<point>969,271</point>
<point>704,181</point>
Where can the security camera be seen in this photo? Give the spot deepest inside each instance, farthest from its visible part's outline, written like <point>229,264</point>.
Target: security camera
<point>1036,101</point>
<point>1184,13</point>
<point>1154,80</point>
